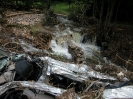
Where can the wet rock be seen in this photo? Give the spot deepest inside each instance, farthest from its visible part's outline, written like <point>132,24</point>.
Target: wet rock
<point>88,36</point>
<point>85,38</point>
<point>62,27</point>
<point>76,52</point>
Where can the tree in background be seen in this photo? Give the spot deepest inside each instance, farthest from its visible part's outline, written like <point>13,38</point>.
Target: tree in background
<point>79,11</point>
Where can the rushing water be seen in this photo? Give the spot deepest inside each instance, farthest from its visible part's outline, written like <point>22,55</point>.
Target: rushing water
<point>65,32</point>
<point>72,33</point>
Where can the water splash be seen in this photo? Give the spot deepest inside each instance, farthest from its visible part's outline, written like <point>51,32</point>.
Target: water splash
<point>59,43</point>
<point>60,49</point>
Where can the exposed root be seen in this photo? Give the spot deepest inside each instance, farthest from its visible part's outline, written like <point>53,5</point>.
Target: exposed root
<point>13,46</point>
<point>126,61</point>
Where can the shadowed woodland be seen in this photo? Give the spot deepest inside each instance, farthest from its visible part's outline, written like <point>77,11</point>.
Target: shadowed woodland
<point>111,20</point>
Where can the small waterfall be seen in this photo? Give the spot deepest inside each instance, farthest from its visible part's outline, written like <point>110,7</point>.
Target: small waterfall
<point>60,49</point>
<point>61,37</point>
<point>77,37</point>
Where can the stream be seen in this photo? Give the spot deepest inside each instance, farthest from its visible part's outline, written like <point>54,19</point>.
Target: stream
<point>77,48</point>
<point>71,33</point>
<point>69,43</point>
<point>67,35</point>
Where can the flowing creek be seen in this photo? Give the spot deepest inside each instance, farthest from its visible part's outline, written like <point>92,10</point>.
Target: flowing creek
<point>69,43</point>
<point>71,34</point>
<point>77,48</point>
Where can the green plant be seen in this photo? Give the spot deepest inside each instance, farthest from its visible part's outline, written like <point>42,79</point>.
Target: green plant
<point>49,18</point>
<point>61,8</point>
<point>36,28</point>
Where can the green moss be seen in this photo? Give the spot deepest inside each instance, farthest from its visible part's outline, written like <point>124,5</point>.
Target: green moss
<point>61,8</point>
<point>36,28</point>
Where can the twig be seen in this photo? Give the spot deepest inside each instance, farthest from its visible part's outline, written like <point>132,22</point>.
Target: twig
<point>89,86</point>
<point>85,96</point>
<point>126,61</point>
<point>99,93</point>
<point>71,84</point>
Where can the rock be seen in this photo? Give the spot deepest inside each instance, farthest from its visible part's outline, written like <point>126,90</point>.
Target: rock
<point>85,38</point>
<point>76,52</point>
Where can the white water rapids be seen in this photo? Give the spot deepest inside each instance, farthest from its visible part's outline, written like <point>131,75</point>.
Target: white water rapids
<point>59,43</point>
<point>66,32</point>
<point>72,33</point>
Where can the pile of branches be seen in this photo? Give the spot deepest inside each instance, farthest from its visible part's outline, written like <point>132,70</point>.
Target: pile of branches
<point>42,40</point>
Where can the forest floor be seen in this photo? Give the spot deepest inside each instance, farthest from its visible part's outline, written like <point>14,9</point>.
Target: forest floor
<point>26,25</point>
<point>120,46</point>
